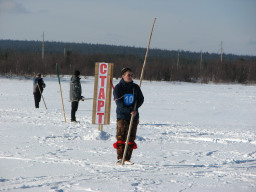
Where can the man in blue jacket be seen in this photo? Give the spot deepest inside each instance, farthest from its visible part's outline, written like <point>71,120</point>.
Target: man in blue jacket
<point>38,88</point>
<point>126,93</point>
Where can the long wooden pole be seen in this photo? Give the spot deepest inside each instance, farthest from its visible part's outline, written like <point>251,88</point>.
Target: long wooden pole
<point>41,95</point>
<point>135,104</point>
<point>57,69</point>
<point>62,103</point>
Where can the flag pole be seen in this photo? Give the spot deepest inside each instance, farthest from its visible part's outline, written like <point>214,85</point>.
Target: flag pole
<point>60,92</point>
<point>135,104</point>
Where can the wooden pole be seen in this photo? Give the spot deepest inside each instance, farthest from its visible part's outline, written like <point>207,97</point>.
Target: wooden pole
<point>62,103</point>
<point>41,95</point>
<point>100,127</point>
<point>145,59</point>
<point>135,104</point>
<point>57,69</point>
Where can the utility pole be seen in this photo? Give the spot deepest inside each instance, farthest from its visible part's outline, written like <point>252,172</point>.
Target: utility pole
<point>43,55</point>
<point>43,47</point>
<point>201,57</point>
<point>64,52</point>
<point>178,59</point>
<point>221,51</point>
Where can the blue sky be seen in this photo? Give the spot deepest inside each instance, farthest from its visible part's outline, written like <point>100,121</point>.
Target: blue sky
<point>181,24</point>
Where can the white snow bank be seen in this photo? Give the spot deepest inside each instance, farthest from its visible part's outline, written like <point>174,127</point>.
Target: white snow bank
<point>191,137</point>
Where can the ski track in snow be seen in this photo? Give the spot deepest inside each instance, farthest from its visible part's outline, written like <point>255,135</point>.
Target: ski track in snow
<point>40,152</point>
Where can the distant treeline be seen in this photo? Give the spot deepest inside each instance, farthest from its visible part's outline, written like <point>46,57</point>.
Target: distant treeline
<point>25,58</point>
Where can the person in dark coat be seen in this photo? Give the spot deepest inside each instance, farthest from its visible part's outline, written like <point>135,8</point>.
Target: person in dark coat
<point>75,94</point>
<point>38,88</point>
<point>126,93</point>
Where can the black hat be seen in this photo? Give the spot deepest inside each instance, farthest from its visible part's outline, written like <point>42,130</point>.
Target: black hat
<point>125,70</point>
<point>77,73</point>
<point>38,74</point>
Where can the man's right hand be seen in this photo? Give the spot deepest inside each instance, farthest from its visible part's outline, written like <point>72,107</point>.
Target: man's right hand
<point>134,113</point>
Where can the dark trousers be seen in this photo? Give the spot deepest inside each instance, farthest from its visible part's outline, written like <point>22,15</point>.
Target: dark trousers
<point>121,135</point>
<point>37,98</point>
<point>74,107</point>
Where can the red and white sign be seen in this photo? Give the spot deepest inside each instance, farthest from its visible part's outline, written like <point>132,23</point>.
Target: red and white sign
<point>101,93</point>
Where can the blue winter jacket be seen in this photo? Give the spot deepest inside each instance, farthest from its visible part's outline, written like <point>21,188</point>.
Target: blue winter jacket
<point>123,109</point>
<point>41,84</point>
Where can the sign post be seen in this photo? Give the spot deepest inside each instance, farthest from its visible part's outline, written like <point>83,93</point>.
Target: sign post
<point>102,94</point>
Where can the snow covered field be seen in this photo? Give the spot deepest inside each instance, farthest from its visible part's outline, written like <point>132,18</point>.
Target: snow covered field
<point>191,137</point>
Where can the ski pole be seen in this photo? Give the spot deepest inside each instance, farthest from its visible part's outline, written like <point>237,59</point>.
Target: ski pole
<point>82,99</point>
<point>41,95</point>
<point>135,104</point>
<point>61,92</point>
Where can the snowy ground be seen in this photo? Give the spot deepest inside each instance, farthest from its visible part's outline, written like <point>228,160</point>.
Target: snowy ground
<point>191,137</point>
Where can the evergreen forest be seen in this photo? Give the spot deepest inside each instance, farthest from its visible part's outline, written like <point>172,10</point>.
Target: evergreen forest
<point>27,58</point>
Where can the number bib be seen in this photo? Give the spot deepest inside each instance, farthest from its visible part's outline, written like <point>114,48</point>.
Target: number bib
<point>128,99</point>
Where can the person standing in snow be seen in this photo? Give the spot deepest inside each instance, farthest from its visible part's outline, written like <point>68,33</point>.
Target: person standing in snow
<point>126,93</point>
<point>75,94</point>
<point>38,87</point>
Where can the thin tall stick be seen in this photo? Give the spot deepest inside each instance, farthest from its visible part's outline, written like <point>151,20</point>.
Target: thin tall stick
<point>41,95</point>
<point>62,103</point>
<point>135,104</point>
<point>57,69</point>
<point>145,59</point>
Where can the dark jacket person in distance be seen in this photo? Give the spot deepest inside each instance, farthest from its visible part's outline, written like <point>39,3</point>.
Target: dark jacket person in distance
<point>75,94</point>
<point>38,85</point>
<point>126,93</point>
